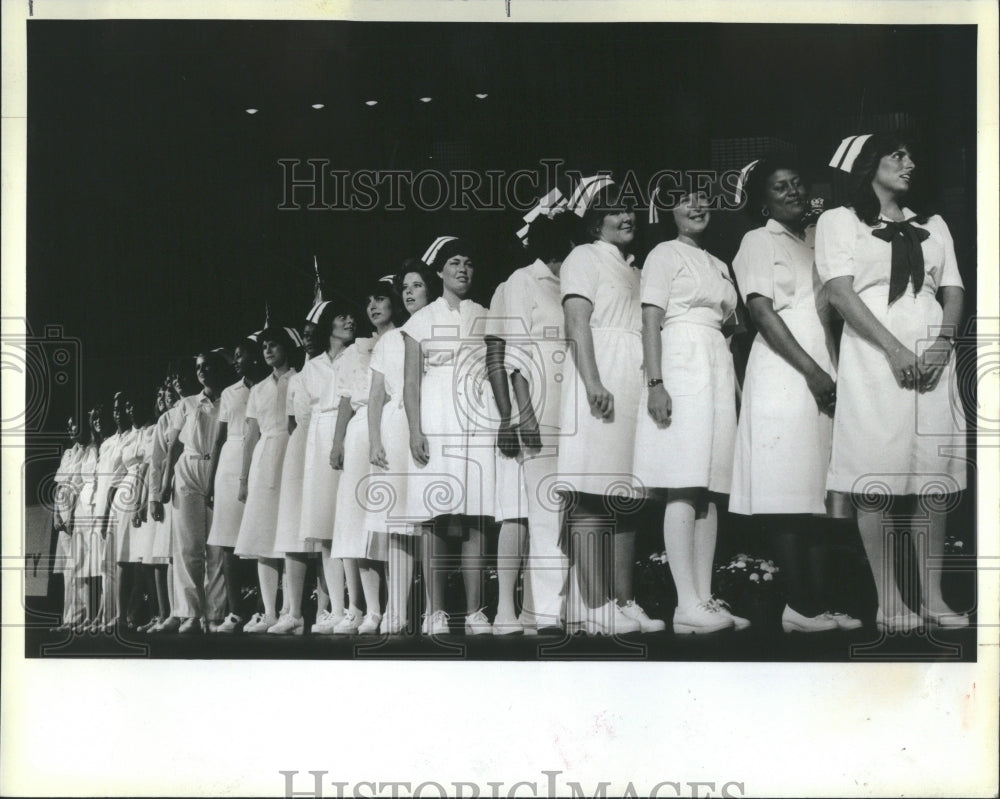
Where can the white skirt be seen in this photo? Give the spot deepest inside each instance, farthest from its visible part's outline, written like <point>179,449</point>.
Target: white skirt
<point>459,477</point>
<point>889,440</point>
<point>511,499</point>
<point>696,449</point>
<point>783,440</point>
<point>163,536</point>
<point>228,510</point>
<point>351,537</point>
<point>289,536</point>
<point>320,480</point>
<point>385,489</point>
<point>260,516</point>
<point>595,454</point>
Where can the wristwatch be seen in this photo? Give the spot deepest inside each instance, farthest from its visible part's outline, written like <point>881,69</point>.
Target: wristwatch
<point>656,381</point>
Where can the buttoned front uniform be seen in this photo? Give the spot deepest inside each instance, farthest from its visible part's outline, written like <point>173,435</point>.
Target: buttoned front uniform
<point>199,586</point>
<point>455,414</point>
<point>696,449</point>
<point>164,433</point>
<point>783,439</point>
<point>289,536</point>
<point>268,406</point>
<point>595,453</point>
<point>385,493</point>
<point>227,512</point>
<point>532,301</point>
<point>325,380</point>
<point>128,497</point>
<point>85,517</point>
<point>69,553</point>
<point>888,439</point>
<point>351,536</point>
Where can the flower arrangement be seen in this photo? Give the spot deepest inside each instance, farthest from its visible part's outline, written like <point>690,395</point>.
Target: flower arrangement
<point>753,587</point>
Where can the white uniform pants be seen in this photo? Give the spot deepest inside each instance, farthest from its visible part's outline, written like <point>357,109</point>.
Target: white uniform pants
<point>198,583</point>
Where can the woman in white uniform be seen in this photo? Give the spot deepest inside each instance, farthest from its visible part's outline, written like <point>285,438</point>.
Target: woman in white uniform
<point>510,506</point>
<point>388,438</point>
<point>227,463</point>
<point>67,493</point>
<point>110,474</point>
<point>362,550</point>
<point>898,434</point>
<point>127,502</point>
<point>160,513</point>
<point>296,549</point>
<point>452,463</point>
<point>786,417</point>
<point>685,433</point>
<point>86,526</point>
<point>264,444</point>
<point>143,527</point>
<point>323,381</point>
<point>600,402</point>
<point>536,361</point>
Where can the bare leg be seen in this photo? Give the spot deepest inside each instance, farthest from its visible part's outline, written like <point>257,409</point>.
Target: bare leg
<point>624,566</point>
<point>295,583</point>
<point>435,578</point>
<point>878,541</point>
<point>333,571</point>
<point>473,566</point>
<point>706,531</point>
<point>371,584</point>
<point>268,572</point>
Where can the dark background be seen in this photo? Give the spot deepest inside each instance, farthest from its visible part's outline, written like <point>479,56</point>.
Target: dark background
<point>153,228</point>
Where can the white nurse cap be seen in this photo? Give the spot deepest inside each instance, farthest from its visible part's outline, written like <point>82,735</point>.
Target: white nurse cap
<point>316,311</point>
<point>585,192</point>
<point>293,334</point>
<point>741,183</point>
<point>432,251</point>
<point>848,151</point>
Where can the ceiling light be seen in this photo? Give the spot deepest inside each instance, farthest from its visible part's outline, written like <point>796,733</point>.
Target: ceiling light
<point>251,111</point>
<point>426,99</point>
<point>317,106</point>
<point>481,95</point>
<point>370,103</point>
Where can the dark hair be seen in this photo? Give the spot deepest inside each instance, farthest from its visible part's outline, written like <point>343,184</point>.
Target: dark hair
<point>260,370</point>
<point>278,335</point>
<point>185,369</point>
<point>450,249</point>
<point>756,185</point>
<point>863,200</point>
<point>220,365</point>
<point>667,201</point>
<point>551,238</point>
<point>428,275</point>
<point>324,325</point>
<point>605,202</point>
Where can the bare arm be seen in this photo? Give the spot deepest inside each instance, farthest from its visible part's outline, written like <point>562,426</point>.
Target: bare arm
<point>528,421</point>
<point>344,415</point>
<point>577,312</point>
<point>496,350</point>
<point>659,405</point>
<point>419,447</point>
<point>776,333</point>
<point>901,360</point>
<point>376,402</point>
<point>251,436</point>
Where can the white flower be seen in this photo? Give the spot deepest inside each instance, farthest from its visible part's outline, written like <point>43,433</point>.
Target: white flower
<point>755,578</point>
<point>741,564</point>
<point>768,577</point>
<point>959,544</point>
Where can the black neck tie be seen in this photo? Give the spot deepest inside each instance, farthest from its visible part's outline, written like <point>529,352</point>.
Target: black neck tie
<point>907,256</point>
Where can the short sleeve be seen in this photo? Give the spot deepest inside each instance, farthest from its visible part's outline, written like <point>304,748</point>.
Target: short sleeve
<point>291,395</point>
<point>579,275</point>
<point>378,356</point>
<point>519,302</point>
<point>836,238</point>
<point>178,415</point>
<point>754,265</point>
<point>224,406</point>
<point>347,370</point>
<point>418,326</point>
<point>950,276</point>
<point>658,273</point>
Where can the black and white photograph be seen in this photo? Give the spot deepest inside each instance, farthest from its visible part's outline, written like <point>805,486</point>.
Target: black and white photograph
<point>517,399</point>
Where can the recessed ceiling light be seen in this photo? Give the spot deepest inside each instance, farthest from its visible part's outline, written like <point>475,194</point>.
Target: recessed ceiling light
<point>317,106</point>
<point>426,99</point>
<point>370,103</point>
<point>481,95</point>
<point>251,111</point>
